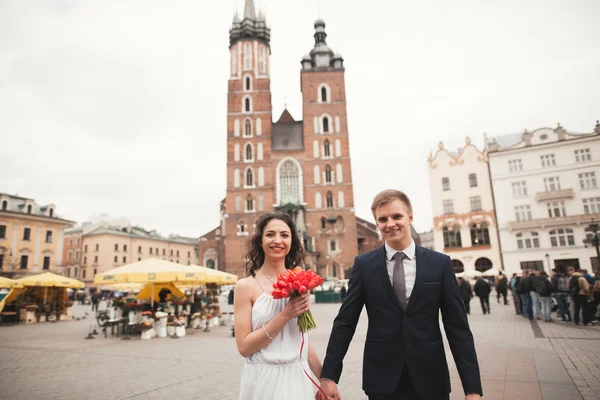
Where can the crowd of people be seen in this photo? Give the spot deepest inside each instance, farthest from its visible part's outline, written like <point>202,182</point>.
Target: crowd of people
<point>575,295</point>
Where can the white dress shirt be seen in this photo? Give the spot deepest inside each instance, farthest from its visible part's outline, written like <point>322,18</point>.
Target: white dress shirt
<point>409,263</point>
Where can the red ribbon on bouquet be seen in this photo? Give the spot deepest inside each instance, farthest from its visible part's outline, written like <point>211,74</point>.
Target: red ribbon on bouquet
<point>307,374</point>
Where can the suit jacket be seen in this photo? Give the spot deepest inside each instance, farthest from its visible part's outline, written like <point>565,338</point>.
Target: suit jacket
<point>413,335</point>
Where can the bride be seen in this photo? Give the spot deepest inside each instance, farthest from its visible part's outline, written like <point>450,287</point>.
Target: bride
<point>266,331</point>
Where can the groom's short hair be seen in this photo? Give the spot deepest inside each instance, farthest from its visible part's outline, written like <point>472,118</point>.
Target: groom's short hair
<point>387,196</point>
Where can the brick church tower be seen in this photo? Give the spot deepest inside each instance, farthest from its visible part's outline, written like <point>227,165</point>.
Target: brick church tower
<point>299,167</point>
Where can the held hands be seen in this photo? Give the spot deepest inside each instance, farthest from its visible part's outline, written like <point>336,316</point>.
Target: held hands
<point>296,306</point>
<point>331,390</point>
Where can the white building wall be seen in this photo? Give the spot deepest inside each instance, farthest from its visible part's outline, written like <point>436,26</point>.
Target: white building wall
<point>567,170</point>
<point>457,167</point>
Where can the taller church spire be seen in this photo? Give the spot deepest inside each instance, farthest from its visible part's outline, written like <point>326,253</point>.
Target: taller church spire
<point>249,12</point>
<point>250,27</point>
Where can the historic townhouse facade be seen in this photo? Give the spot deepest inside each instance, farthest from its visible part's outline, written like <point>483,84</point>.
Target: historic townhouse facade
<point>546,191</point>
<point>464,224</point>
<point>31,237</point>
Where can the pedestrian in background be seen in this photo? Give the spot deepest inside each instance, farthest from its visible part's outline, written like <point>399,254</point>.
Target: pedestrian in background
<point>466,292</point>
<point>514,284</point>
<point>502,287</point>
<point>544,289</point>
<point>482,290</point>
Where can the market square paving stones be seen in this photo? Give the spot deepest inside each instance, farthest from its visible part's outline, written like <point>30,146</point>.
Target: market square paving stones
<point>518,359</point>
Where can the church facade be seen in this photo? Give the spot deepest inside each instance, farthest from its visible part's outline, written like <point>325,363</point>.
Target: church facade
<point>299,167</point>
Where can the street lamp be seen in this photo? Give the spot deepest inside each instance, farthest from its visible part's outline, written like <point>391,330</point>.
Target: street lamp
<point>548,261</point>
<point>594,239</point>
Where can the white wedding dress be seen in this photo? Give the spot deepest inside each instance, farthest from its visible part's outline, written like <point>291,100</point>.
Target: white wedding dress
<point>275,372</point>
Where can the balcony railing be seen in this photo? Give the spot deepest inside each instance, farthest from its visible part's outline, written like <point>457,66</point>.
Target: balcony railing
<point>552,222</point>
<point>555,195</point>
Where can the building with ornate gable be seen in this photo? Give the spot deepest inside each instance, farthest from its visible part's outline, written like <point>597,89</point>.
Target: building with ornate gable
<point>464,223</point>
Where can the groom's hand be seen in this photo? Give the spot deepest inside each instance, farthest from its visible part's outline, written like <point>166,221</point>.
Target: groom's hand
<point>473,397</point>
<point>330,388</point>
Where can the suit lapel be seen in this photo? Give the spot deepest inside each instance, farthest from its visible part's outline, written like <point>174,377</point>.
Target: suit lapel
<point>420,255</point>
<point>381,266</point>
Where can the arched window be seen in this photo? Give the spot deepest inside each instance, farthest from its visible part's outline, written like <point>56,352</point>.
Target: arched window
<point>248,84</point>
<point>339,224</point>
<point>247,106</point>
<point>562,237</point>
<point>334,270</point>
<point>528,240</point>
<point>328,174</point>
<point>248,152</point>
<point>247,128</point>
<point>483,264</point>
<point>249,178</point>
<point>249,203</point>
<point>327,148</point>
<point>210,264</point>
<point>4,205</point>
<point>29,209</point>
<point>289,183</point>
<point>324,94</point>
<point>480,234</point>
<point>329,200</point>
<point>332,245</point>
<point>452,236</point>
<point>242,227</point>
<point>325,124</point>
<point>323,223</point>
<point>458,266</point>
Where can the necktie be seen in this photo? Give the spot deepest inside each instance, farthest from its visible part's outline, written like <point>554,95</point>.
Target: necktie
<point>398,279</point>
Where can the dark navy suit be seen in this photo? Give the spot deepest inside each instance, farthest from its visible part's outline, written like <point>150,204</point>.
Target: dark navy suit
<point>411,338</point>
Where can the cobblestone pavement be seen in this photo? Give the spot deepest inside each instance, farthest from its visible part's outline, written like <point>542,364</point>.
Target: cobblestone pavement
<point>519,359</point>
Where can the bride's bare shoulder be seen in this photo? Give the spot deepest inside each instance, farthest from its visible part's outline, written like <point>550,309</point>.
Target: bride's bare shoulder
<point>245,286</point>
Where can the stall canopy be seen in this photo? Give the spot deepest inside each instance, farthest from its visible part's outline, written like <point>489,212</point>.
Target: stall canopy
<point>155,288</point>
<point>150,270</point>
<point>214,276</point>
<point>49,279</point>
<point>6,283</point>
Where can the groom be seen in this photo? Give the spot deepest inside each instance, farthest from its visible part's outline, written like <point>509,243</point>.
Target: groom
<point>404,287</point>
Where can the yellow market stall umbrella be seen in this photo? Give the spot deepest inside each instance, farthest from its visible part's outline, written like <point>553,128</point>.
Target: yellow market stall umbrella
<point>155,288</point>
<point>6,283</point>
<point>48,279</point>
<point>123,287</point>
<point>214,276</point>
<point>149,270</point>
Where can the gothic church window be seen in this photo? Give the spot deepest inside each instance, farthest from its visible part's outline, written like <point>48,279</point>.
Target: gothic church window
<point>328,174</point>
<point>249,203</point>
<point>289,183</point>
<point>247,84</point>
<point>329,198</point>
<point>325,125</point>
<point>249,152</point>
<point>249,178</point>
<point>324,94</point>
<point>327,148</point>
<point>247,104</point>
<point>247,128</point>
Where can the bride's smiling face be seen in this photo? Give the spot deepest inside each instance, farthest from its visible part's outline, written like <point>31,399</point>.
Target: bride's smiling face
<point>276,239</point>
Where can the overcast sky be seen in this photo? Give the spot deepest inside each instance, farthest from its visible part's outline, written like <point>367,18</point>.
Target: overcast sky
<point>120,106</point>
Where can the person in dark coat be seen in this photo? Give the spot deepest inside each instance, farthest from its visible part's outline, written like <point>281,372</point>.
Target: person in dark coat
<point>482,290</point>
<point>466,292</point>
<point>502,288</point>
<point>343,292</point>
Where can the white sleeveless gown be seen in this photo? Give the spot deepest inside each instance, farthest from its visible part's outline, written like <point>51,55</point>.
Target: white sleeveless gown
<point>275,372</point>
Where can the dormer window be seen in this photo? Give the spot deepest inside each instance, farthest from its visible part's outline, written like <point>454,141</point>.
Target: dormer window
<point>4,205</point>
<point>51,213</point>
<point>29,209</point>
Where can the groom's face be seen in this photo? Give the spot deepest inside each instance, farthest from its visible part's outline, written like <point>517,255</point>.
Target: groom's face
<point>393,221</point>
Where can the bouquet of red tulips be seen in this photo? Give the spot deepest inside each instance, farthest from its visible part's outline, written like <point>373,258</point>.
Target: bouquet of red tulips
<point>296,282</point>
